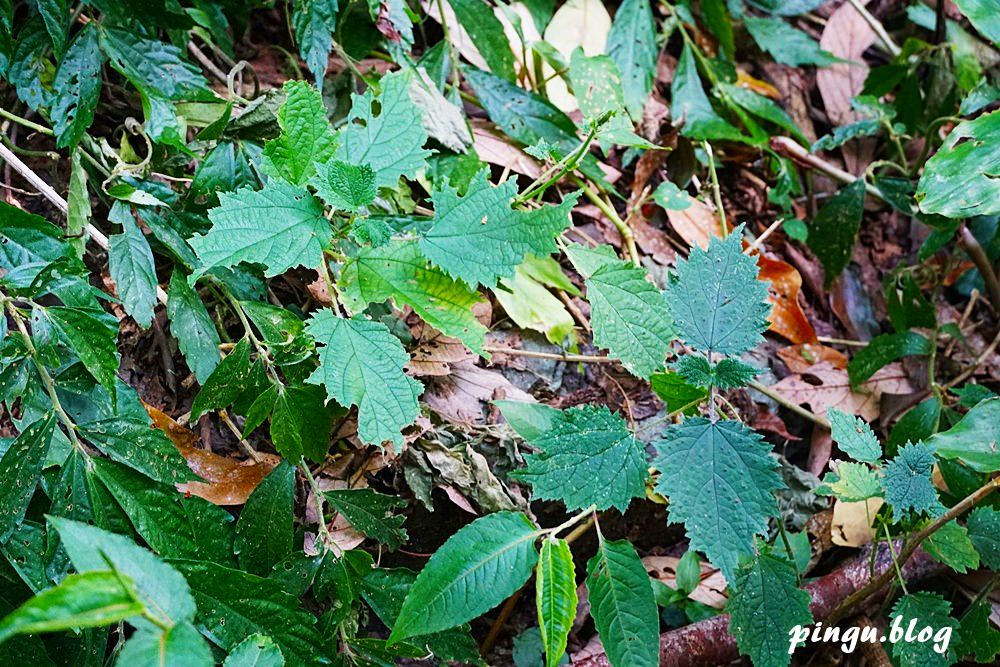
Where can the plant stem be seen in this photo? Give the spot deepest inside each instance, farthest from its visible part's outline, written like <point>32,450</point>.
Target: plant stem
<point>26,123</point>
<point>324,532</point>
<point>576,518</point>
<point>716,191</point>
<point>785,403</point>
<point>573,358</point>
<point>568,163</point>
<point>876,27</point>
<point>609,211</point>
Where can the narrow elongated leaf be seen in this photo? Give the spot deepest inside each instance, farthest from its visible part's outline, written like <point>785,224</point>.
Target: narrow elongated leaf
<point>959,180</point>
<point>306,136</point>
<point>154,66</point>
<point>487,33</point>
<point>361,364</point>
<point>20,468</point>
<point>555,597</point>
<point>883,350</point>
<point>690,105</point>
<point>971,439</point>
<point>77,87</point>
<point>92,338</point>
<point>475,570</point>
<point>632,46</point>
<point>833,230</point>
<point>789,46</point>
<point>226,382</point>
<point>982,14</point>
<point>140,447</point>
<point>314,22</point>
<point>724,471</point>
<point>131,263</point>
<point>193,328</point>
<point>265,531</point>
<point>854,436</point>
<point>623,607</point>
<point>371,513</point>
<point>301,423</point>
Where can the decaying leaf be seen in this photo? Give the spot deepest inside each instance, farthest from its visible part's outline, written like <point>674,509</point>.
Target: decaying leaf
<point>824,386</point>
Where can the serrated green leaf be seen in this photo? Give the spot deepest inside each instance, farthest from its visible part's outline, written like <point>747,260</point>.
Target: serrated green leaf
<point>588,457</point>
<point>193,328</point>
<point>487,34</point>
<point>717,302</point>
<point>789,46</point>
<point>632,46</point>
<point>983,526</point>
<point>130,261</point>
<point>92,338</point>
<point>314,22</point>
<point>727,374</point>
<point>371,514</point>
<point>384,131</point>
<point>344,186</point>
<point>852,482</point>
<point>622,604</point>
<point>555,598</point>
<point>161,589</point>
<point>690,105</point>
<point>179,644</point>
<point>86,600</point>
<point>361,363</point>
<point>20,468</point>
<point>255,651</point>
<point>721,470</point>
<point>400,271</point>
<point>906,480</point>
<point>301,423</point>
<point>959,181</point>
<point>340,578</point>
<point>854,436</point>
<point>676,393</point>
<point>155,67</point>
<point>766,603</point>
<point>479,238</point>
<point>928,610</point>
<point>306,136</point>
<point>476,569</point>
<point>972,439</point>
<point>140,447</point>
<point>265,532</point>
<point>77,87</point>
<point>226,382</point>
<point>978,636</point>
<point>280,227</point>
<point>883,350</point>
<point>833,230</point>
<point>173,525</point>
<point>950,544</point>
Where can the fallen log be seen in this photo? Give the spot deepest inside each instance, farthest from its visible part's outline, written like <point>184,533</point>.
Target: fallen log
<point>708,642</point>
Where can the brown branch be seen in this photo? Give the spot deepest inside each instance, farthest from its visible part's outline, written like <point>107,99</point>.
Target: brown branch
<point>982,262</point>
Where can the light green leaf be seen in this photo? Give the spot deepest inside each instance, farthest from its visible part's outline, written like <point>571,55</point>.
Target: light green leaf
<point>476,569</point>
<point>766,603</point>
<point>487,34</point>
<point>78,202</point>
<point>984,532</point>
<point>400,271</point>
<point>179,645</point>
<point>555,597</point>
<point>632,46</point>
<point>971,439</point>
<point>193,328</point>
<point>479,238</point>
<point>281,227</point>
<point>852,482</point>
<point>532,306</point>
<point>20,468</point>
<point>718,303</point>
<point>370,513</point>
<point>314,22</point>
<point>906,480</point>
<point>255,651</point>
<point>950,544</point>
<point>92,338</point>
<point>960,180</point>
<point>587,457</point>
<point>306,136</point>
<point>721,470</point>
<point>927,610</point>
<point>76,88</point>
<point>789,46</point>
<point>361,363</point>
<point>761,107</point>
<point>130,261</point>
<point>345,187</point>
<point>984,15</point>
<point>883,350</point>
<point>690,105</point>
<point>833,230</point>
<point>854,436</point>
<point>265,531</point>
<point>676,393</point>
<point>529,420</point>
<point>623,607</point>
<point>384,131</point>
<point>87,600</point>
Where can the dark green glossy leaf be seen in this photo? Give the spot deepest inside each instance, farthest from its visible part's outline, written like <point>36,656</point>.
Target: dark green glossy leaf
<point>193,328</point>
<point>371,513</point>
<point>20,468</point>
<point>833,230</point>
<point>265,532</point>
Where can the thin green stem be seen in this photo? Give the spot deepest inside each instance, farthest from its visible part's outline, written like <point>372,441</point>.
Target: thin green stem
<point>573,520</point>
<point>324,532</point>
<point>567,164</point>
<point>26,123</point>
<point>716,190</point>
<point>609,211</point>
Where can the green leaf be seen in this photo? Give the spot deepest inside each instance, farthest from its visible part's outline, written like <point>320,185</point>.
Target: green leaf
<point>56,15</point>
<point>982,14</point>
<point>926,610</point>
<point>28,242</point>
<point>154,67</point>
<point>193,327</point>
<point>385,132</point>
<point>555,597</point>
<point>632,46</point>
<point>690,105</point>
<point>721,470</point>
<point>978,636</point>
<point>140,447</point>
<point>907,482</point>
<point>314,22</point>
<point>852,482</point>
<point>833,230</point>
<point>718,303</point>
<point>883,350</point>
<point>340,578</point>
<point>361,363</point>
<point>179,644</point>
<point>226,382</point>
<point>20,468</point>
<point>789,46</point>
<point>76,87</point>
<point>171,523</point>
<point>255,651</point>
<point>867,127</point>
<point>370,513</point>
<point>761,107</point>
<point>487,34</point>
<point>280,227</point>
<point>676,393</point>
<point>476,569</point>
<point>306,136</point>
<point>959,181</point>
<point>950,544</point>
<point>672,198</point>
<point>92,338</point>
<point>87,600</point>
<point>688,572</point>
<point>234,605</point>
<point>400,271</point>
<point>265,532</point>
<point>727,374</point>
<point>78,203</point>
<point>766,603</point>
<point>587,457</point>
<point>130,261</point>
<point>622,604</point>
<point>529,420</point>
<point>161,589</point>
<point>346,187</point>
<point>531,306</point>
<point>301,423</point>
<point>971,439</point>
<point>984,532</point>
<point>854,436</point>
<point>479,238</point>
